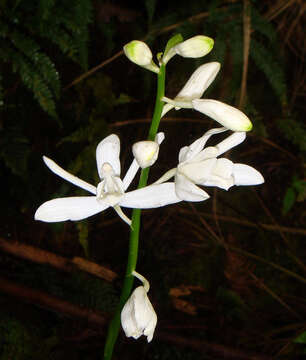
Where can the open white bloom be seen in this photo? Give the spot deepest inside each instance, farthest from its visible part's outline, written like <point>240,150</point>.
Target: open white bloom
<point>201,166</point>
<point>146,152</point>
<point>189,97</point>
<point>194,47</point>
<point>138,316</point>
<point>139,53</point>
<point>109,192</point>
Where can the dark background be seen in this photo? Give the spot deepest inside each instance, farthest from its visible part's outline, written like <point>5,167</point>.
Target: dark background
<point>227,275</point>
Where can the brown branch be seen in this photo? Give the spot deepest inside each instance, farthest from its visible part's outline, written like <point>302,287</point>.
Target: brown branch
<point>269,227</point>
<point>221,351</point>
<point>246,50</point>
<point>40,256</point>
<point>52,303</point>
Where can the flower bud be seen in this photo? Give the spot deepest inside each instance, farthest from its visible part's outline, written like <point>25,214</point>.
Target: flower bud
<point>138,316</point>
<point>194,47</point>
<point>146,153</point>
<point>226,115</point>
<point>139,53</point>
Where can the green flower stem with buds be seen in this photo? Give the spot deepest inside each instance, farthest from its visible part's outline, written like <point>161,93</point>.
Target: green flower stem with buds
<point>114,326</point>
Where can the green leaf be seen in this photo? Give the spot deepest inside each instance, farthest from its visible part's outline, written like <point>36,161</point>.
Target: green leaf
<point>301,339</point>
<point>288,201</point>
<point>176,39</point>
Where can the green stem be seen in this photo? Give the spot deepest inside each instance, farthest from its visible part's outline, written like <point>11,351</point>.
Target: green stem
<point>114,326</point>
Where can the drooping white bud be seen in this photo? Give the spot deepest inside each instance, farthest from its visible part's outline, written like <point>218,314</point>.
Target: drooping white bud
<point>138,316</point>
<point>139,53</point>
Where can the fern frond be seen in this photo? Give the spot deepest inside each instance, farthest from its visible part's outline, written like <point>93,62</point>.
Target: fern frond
<point>265,61</point>
<point>42,62</point>
<point>262,26</point>
<point>33,81</point>
<point>15,149</point>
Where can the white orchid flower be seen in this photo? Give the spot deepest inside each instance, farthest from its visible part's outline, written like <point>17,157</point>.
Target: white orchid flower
<point>190,97</point>
<point>139,53</point>
<point>194,47</point>
<point>109,192</point>
<point>200,166</point>
<point>138,316</point>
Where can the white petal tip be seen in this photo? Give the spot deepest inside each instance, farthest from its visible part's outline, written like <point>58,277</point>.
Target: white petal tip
<point>247,175</point>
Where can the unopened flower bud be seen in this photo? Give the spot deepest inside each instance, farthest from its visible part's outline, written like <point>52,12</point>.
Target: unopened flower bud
<point>139,53</point>
<point>146,153</point>
<point>194,47</point>
<point>226,115</point>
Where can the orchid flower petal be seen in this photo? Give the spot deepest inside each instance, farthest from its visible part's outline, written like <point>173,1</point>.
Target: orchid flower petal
<point>231,141</point>
<point>168,175</point>
<point>166,108</point>
<point>69,177</point>
<point>187,190</point>
<point>223,168</point>
<point>224,114</point>
<point>199,81</point>
<point>122,215</point>
<point>197,172</point>
<point>130,174</point>
<point>108,151</point>
<point>219,182</point>
<point>69,208</point>
<point>159,138</point>
<point>198,145</point>
<point>151,196</point>
<point>246,175</point>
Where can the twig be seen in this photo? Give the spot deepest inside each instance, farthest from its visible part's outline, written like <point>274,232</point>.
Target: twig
<point>50,302</point>
<point>262,285</point>
<point>278,267</point>
<point>210,348</point>
<point>40,256</point>
<point>269,227</point>
<point>246,50</point>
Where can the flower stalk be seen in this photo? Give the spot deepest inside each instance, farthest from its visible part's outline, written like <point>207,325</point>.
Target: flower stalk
<point>114,326</point>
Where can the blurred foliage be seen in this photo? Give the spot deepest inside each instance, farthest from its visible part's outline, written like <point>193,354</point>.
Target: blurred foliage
<point>245,281</point>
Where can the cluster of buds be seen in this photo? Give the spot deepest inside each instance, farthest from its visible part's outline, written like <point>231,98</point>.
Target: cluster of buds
<point>197,165</point>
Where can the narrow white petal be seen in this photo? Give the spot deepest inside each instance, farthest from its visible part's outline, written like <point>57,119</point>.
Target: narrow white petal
<point>159,138</point>
<point>152,196</point>
<point>231,141</point>
<point>67,176</point>
<point>187,190</point>
<point>199,81</point>
<point>70,208</point>
<point>122,215</point>
<point>130,174</point>
<point>224,114</point>
<point>247,175</point>
<point>108,151</point>
<point>166,108</point>
<point>168,175</point>
<point>198,145</point>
